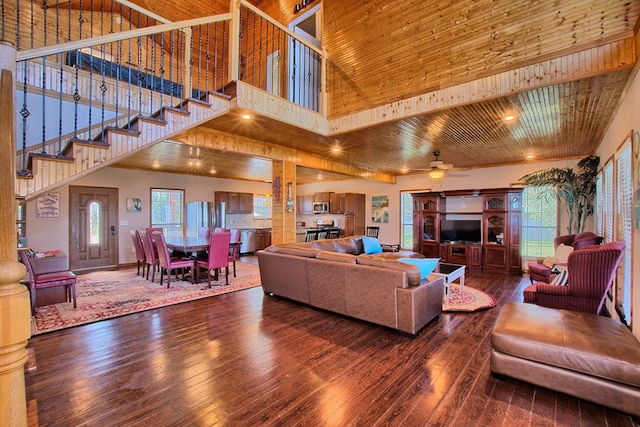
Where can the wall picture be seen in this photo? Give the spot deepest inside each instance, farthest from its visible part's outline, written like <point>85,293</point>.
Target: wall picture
<point>380,209</point>
<point>134,204</point>
<point>48,206</point>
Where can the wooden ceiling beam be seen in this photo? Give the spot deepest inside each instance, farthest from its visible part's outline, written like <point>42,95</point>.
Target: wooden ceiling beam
<point>216,140</point>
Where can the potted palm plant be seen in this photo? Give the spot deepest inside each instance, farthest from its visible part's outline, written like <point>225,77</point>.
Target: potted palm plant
<point>576,189</point>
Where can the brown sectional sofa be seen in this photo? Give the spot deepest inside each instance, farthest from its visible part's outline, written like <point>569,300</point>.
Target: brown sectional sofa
<point>336,275</point>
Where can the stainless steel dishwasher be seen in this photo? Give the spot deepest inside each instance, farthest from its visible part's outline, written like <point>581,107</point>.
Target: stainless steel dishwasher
<point>248,244</point>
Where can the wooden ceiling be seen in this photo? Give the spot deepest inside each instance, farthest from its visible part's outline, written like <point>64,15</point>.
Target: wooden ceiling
<point>563,119</point>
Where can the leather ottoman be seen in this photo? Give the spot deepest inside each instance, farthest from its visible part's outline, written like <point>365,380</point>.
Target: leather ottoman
<point>587,356</point>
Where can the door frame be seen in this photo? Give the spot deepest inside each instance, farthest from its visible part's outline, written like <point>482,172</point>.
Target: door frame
<point>110,227</point>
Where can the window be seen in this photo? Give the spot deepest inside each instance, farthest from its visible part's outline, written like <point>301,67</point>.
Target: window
<point>540,221</point>
<point>167,210</point>
<point>624,212</point>
<point>607,199</point>
<point>406,231</point>
<point>261,206</point>
<point>95,214</point>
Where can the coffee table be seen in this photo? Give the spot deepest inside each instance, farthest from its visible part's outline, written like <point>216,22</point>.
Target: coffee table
<point>450,272</point>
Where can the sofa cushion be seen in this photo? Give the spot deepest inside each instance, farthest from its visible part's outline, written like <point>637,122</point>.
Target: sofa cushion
<point>371,245</point>
<point>293,250</point>
<point>561,279</point>
<point>336,256</point>
<point>425,265</point>
<point>413,272</point>
<point>346,246</point>
<point>324,245</point>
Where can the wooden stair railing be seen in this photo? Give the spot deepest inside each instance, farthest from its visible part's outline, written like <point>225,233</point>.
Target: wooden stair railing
<point>82,157</point>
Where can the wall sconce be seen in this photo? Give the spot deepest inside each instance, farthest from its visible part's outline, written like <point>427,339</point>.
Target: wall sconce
<point>289,198</point>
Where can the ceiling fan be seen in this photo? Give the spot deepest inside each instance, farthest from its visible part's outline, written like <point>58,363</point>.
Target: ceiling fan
<point>438,168</point>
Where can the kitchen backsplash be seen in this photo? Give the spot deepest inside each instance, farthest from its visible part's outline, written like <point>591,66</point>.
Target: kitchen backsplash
<point>246,221</point>
<point>312,219</point>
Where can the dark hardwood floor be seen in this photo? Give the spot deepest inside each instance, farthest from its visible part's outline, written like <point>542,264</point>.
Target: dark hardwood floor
<point>245,359</point>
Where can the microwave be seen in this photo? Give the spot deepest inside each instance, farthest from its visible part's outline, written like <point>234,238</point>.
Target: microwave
<point>320,207</point>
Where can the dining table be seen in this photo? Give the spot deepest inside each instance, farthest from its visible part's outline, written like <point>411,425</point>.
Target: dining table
<point>187,244</point>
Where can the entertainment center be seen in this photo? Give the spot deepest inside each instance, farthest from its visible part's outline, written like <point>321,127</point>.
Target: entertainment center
<point>477,228</point>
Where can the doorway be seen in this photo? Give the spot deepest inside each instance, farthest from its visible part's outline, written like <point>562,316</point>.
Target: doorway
<point>93,237</point>
<point>304,64</point>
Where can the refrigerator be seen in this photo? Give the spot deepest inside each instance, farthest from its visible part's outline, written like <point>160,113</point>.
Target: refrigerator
<point>219,219</point>
<point>199,214</point>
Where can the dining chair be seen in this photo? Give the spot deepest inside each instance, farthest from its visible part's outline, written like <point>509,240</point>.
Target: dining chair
<point>168,263</point>
<point>234,247</point>
<point>137,244</point>
<point>204,232</point>
<point>218,256</point>
<point>150,254</point>
<point>372,231</point>
<point>49,280</point>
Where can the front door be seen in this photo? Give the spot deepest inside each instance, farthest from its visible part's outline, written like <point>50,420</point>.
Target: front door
<point>93,228</point>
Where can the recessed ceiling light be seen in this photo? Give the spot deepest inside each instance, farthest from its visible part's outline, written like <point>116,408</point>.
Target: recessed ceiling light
<point>246,116</point>
<point>530,156</point>
<point>509,118</point>
<point>336,149</point>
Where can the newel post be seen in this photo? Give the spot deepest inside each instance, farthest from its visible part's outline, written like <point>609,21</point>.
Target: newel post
<point>234,42</point>
<point>15,310</point>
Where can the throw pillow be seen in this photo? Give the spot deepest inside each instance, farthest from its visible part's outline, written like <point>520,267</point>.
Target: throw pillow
<point>425,265</point>
<point>561,279</point>
<point>371,245</point>
<point>549,262</point>
<point>562,252</point>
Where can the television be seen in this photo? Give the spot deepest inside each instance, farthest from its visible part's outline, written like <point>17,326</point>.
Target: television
<point>461,230</point>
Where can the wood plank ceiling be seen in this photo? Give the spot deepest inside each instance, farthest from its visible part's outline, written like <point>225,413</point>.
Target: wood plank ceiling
<point>566,119</point>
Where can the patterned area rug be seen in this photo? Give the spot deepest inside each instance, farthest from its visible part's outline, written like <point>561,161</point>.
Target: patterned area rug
<point>469,299</point>
<point>106,294</point>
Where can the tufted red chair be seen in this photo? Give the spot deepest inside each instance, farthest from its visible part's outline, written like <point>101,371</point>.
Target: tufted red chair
<point>591,272</point>
<point>49,280</point>
<point>169,263</point>
<point>542,273</point>
<point>218,255</point>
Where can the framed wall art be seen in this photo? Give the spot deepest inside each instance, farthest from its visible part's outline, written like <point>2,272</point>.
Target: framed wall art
<point>48,206</point>
<point>134,204</point>
<point>380,209</point>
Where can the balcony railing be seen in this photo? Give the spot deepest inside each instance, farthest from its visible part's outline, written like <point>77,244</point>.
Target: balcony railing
<point>105,63</point>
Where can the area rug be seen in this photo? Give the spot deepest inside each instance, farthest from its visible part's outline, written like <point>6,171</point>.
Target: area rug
<point>106,294</point>
<point>468,300</point>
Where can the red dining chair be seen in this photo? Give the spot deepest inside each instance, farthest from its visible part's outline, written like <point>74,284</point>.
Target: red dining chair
<point>169,263</point>
<point>137,244</point>
<point>234,247</point>
<point>49,280</point>
<point>218,256</point>
<point>150,254</point>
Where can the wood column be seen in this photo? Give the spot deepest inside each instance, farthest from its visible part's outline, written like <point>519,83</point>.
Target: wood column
<point>15,310</point>
<point>283,223</point>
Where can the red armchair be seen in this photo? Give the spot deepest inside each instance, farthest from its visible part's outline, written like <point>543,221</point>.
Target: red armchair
<point>542,273</point>
<point>591,271</point>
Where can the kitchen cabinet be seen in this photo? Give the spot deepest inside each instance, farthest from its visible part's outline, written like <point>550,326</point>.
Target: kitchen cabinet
<point>236,203</point>
<point>304,204</point>
<point>263,238</point>
<point>354,214</point>
<point>322,197</point>
<point>337,203</point>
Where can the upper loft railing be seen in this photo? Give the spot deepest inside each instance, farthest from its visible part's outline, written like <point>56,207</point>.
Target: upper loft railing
<point>83,66</point>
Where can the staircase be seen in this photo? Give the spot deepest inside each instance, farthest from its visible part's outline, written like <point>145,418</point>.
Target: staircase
<point>82,157</point>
